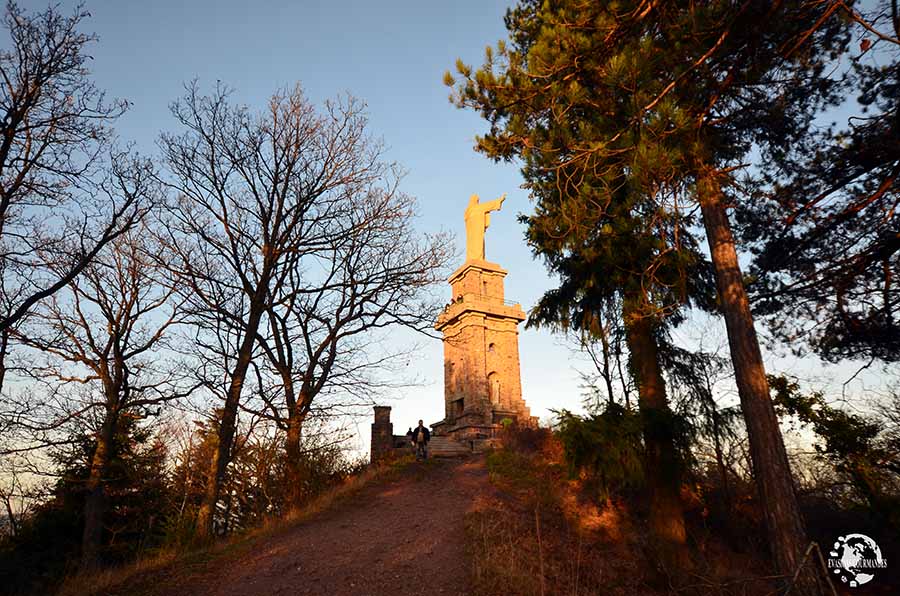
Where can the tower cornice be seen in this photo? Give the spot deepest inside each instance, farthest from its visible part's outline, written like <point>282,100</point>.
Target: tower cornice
<point>482,266</point>
<point>484,305</point>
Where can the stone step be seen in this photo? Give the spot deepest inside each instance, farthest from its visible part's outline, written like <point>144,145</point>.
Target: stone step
<point>447,447</point>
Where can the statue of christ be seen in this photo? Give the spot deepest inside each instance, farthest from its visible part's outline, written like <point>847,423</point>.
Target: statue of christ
<point>478,219</point>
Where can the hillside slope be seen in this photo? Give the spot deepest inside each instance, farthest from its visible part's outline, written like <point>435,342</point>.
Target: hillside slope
<point>401,535</point>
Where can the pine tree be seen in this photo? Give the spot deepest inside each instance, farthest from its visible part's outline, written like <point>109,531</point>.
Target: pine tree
<point>674,95</point>
<point>613,246</point>
<point>617,258</point>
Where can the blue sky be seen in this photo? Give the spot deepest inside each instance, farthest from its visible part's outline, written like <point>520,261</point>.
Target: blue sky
<point>392,55</point>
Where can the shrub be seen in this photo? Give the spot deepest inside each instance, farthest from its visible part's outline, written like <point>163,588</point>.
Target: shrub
<point>606,446</point>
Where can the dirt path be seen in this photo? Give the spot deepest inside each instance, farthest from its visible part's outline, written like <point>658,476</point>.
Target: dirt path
<point>400,537</point>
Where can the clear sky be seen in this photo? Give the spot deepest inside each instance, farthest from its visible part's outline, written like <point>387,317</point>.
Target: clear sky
<point>392,54</point>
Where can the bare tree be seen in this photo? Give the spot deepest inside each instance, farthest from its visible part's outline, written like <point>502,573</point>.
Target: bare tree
<point>318,341</point>
<point>105,335</point>
<point>18,495</point>
<point>59,176</point>
<point>256,196</point>
<point>602,339</point>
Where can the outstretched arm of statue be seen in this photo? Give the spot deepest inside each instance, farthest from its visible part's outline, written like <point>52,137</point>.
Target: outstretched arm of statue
<point>495,204</point>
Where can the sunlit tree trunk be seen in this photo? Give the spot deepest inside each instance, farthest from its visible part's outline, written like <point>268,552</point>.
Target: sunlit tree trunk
<point>771,469</point>
<point>227,427</point>
<point>863,472</point>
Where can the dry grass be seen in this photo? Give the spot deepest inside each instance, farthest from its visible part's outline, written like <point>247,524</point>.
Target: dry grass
<point>517,554</point>
<point>102,581</point>
<point>547,535</point>
<point>537,538</point>
<point>125,578</point>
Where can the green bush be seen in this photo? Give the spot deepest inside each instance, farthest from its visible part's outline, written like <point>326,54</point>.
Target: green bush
<point>607,446</point>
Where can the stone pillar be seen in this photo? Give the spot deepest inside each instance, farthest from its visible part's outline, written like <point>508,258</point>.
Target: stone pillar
<point>382,434</point>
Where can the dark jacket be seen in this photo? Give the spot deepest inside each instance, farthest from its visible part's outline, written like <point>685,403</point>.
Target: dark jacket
<point>415,433</point>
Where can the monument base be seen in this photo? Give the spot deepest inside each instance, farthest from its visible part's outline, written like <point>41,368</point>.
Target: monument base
<point>478,431</point>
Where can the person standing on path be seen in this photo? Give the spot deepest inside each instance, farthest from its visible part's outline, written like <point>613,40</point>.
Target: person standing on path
<point>421,436</point>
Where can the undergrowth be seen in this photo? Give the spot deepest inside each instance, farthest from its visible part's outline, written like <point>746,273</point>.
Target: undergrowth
<point>548,532</point>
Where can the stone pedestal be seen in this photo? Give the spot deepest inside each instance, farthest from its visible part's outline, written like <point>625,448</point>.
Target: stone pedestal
<point>482,382</point>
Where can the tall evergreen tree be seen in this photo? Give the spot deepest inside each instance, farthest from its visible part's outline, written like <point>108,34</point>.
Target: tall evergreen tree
<point>620,255</point>
<point>675,95</point>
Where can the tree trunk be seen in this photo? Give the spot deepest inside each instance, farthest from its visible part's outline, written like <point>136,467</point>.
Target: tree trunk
<point>622,379</point>
<point>771,469</point>
<point>4,344</point>
<point>95,497</point>
<point>226,515</point>
<point>720,459</point>
<point>11,516</point>
<point>295,468</point>
<point>607,375</point>
<point>227,427</point>
<point>662,465</point>
<point>865,479</point>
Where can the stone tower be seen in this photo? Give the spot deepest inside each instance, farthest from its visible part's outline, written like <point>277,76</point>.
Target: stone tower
<point>482,383</point>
